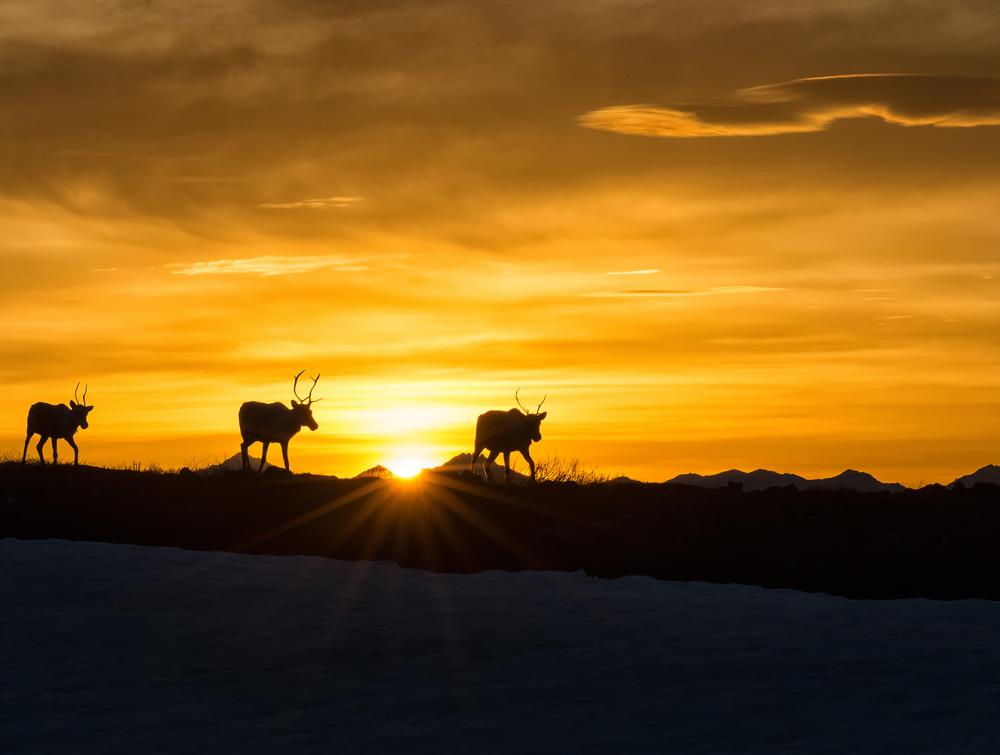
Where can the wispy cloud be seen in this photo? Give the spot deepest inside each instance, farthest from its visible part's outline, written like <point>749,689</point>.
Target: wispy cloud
<point>312,204</point>
<point>207,180</point>
<point>685,293</point>
<point>268,265</point>
<point>812,104</point>
<point>645,271</point>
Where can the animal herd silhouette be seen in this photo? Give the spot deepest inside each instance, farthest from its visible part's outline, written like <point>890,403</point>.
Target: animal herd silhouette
<point>496,431</point>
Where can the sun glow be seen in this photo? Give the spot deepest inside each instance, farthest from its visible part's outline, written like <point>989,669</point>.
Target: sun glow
<point>408,467</point>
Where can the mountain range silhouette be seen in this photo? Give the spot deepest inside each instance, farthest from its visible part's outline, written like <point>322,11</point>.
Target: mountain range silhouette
<point>759,479</point>
<point>763,479</point>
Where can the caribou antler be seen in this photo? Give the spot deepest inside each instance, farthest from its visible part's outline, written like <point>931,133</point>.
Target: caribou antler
<point>518,400</point>
<point>75,397</point>
<point>308,399</point>
<point>85,393</point>
<point>523,407</point>
<point>295,386</point>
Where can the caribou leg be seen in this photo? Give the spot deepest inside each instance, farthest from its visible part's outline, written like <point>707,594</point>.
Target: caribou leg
<point>24,456</point>
<point>243,452</point>
<point>263,455</point>
<point>76,451</point>
<point>506,467</point>
<point>488,463</point>
<point>40,446</point>
<point>475,458</point>
<point>55,451</point>
<point>284,454</point>
<point>531,463</point>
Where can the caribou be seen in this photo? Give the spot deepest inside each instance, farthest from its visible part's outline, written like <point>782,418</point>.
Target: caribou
<point>503,432</point>
<point>276,423</point>
<point>59,422</point>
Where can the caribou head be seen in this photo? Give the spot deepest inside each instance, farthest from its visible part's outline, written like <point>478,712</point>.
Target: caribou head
<point>533,419</point>
<point>79,409</point>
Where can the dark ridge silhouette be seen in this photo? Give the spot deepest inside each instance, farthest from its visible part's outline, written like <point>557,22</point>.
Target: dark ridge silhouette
<point>275,423</point>
<point>851,479</point>
<point>622,480</point>
<point>764,479</point>
<point>505,432</point>
<point>58,422</point>
<point>933,542</point>
<point>759,479</point>
<point>990,475</point>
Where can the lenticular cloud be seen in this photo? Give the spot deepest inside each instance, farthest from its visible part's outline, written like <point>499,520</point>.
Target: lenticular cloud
<point>805,105</point>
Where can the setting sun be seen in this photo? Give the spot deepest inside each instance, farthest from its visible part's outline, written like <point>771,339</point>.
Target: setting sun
<point>407,467</point>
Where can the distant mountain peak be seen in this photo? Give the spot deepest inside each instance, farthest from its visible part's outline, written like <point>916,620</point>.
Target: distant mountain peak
<point>378,471</point>
<point>849,473</point>
<point>234,464</point>
<point>988,475</point>
<point>460,463</point>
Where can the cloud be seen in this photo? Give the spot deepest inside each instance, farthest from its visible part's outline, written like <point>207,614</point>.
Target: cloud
<point>684,293</point>
<point>812,104</point>
<point>645,271</point>
<point>267,266</point>
<point>312,204</point>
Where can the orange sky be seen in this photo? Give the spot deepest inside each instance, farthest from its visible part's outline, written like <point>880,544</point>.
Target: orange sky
<point>703,229</point>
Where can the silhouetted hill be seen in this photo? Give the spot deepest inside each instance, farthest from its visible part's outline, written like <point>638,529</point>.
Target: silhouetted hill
<point>988,475</point>
<point>460,465</point>
<point>235,464</point>
<point>377,472</point>
<point>851,479</point>
<point>623,480</point>
<point>764,479</point>
<point>759,479</point>
<point>933,542</point>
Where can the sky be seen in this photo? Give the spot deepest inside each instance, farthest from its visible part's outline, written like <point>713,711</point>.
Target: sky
<point>714,234</point>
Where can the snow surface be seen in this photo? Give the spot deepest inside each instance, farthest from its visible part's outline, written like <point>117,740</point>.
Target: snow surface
<point>114,648</point>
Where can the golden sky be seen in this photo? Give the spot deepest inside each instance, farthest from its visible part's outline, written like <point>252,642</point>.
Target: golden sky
<point>716,234</point>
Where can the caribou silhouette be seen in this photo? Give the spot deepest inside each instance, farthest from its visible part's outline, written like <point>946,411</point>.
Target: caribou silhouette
<point>275,423</point>
<point>57,421</point>
<point>504,432</point>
